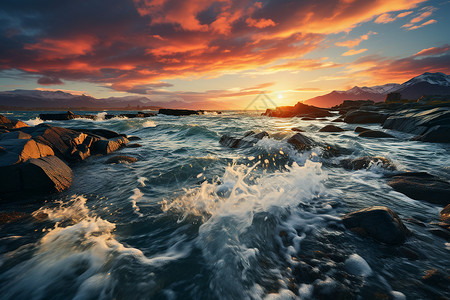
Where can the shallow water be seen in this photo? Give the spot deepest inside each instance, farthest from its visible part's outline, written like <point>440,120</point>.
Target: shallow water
<point>195,220</point>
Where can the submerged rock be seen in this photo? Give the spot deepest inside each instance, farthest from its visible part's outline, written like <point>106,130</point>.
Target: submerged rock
<point>378,222</point>
<point>361,129</point>
<point>301,142</point>
<point>375,134</point>
<point>367,161</point>
<point>445,214</point>
<point>331,128</point>
<point>133,138</point>
<point>250,138</point>
<point>421,186</point>
<point>298,129</point>
<point>121,159</point>
<point>134,145</point>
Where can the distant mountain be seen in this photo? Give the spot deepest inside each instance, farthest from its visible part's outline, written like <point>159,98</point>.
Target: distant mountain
<point>425,84</point>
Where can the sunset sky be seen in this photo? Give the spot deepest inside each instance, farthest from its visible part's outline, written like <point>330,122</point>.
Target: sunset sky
<point>219,54</point>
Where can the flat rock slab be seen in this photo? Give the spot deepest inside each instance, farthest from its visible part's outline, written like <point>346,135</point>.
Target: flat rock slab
<point>364,117</point>
<point>421,186</point>
<point>378,222</point>
<point>20,150</point>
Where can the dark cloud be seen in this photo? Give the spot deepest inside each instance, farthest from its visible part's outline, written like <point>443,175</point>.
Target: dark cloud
<point>49,81</point>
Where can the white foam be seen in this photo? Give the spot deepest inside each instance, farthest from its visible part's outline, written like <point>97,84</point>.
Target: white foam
<point>142,181</point>
<point>101,116</point>
<point>34,122</point>
<point>149,123</point>
<point>137,195</point>
<point>356,265</point>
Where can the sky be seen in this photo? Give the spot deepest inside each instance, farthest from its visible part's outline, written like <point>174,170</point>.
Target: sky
<point>219,54</point>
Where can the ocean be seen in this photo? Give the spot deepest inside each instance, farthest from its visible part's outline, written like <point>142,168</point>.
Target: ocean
<point>193,219</point>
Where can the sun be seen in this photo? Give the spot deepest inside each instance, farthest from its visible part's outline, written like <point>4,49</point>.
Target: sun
<point>280,96</point>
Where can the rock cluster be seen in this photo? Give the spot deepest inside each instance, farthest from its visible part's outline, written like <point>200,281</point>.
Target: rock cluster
<point>70,116</point>
<point>299,110</point>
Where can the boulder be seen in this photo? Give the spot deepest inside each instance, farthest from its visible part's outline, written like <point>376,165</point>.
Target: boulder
<point>301,142</point>
<point>366,161</point>
<point>108,146</point>
<point>436,134</point>
<point>15,135</point>
<point>331,128</point>
<point>16,151</point>
<point>11,124</point>
<point>361,129</point>
<point>250,138</point>
<point>107,134</point>
<point>179,112</point>
<point>133,138</point>
<point>41,175</point>
<point>121,159</point>
<point>375,134</point>
<point>299,110</point>
<point>421,186</point>
<point>364,117</point>
<point>378,222</point>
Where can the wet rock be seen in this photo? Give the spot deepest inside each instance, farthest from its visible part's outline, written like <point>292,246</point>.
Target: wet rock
<point>331,128</point>
<point>8,217</point>
<point>364,117</point>
<point>134,145</point>
<point>421,186</point>
<point>298,129</point>
<point>375,134</point>
<point>367,161</point>
<point>301,142</point>
<point>445,214</point>
<point>179,112</point>
<point>15,135</point>
<point>435,277</point>
<point>436,134</point>
<point>105,133</point>
<point>134,138</point>
<point>378,222</point>
<point>108,146</point>
<point>299,110</point>
<point>250,138</point>
<point>361,129</point>
<point>347,105</point>
<point>16,151</point>
<point>11,124</point>
<point>440,232</point>
<point>121,159</point>
<point>59,116</point>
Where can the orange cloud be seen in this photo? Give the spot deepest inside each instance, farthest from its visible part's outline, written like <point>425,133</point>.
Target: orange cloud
<point>422,25</point>
<point>355,42</point>
<point>353,52</point>
<point>433,51</point>
<point>388,18</point>
<point>261,23</point>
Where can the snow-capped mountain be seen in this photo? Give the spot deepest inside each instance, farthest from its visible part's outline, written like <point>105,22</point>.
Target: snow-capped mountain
<point>425,84</point>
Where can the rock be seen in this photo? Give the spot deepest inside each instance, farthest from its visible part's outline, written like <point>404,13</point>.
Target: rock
<point>366,161</point>
<point>134,138</point>
<point>121,159</point>
<point>378,222</point>
<point>301,142</point>
<point>308,119</point>
<point>421,186</point>
<point>393,97</point>
<point>11,124</point>
<point>134,145</point>
<point>440,232</point>
<point>298,129</point>
<point>15,135</point>
<point>42,175</point>
<point>436,134</point>
<point>108,146</point>
<point>347,105</point>
<point>436,278</point>
<point>107,134</point>
<point>331,128</point>
<point>299,110</point>
<point>361,129</point>
<point>250,138</point>
<point>364,117</point>
<point>16,151</point>
<point>445,214</point>
<point>179,112</point>
<point>8,217</point>
<point>375,134</point>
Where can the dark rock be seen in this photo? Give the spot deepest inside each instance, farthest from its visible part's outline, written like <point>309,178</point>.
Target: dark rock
<point>121,159</point>
<point>107,134</point>
<point>445,214</point>
<point>298,129</point>
<point>108,146</point>
<point>436,134</point>
<point>331,128</point>
<point>308,119</point>
<point>299,110</point>
<point>347,105</point>
<point>366,161</point>
<point>436,278</point>
<point>15,135</point>
<point>393,97</point>
<point>16,151</point>
<point>375,134</point>
<point>250,138</point>
<point>301,142</point>
<point>364,117</point>
<point>134,145</point>
<point>421,186</point>
<point>134,138</point>
<point>179,112</point>
<point>378,222</point>
<point>361,129</point>
<point>11,124</point>
<point>440,232</point>
<point>64,116</point>
<point>42,175</point>
<point>8,217</point>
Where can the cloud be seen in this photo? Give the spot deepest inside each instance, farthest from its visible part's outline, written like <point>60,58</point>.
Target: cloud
<point>353,52</point>
<point>422,25</point>
<point>45,80</point>
<point>428,11</point>
<point>388,18</point>
<point>131,45</point>
<point>433,51</point>
<point>355,42</point>
<point>307,90</point>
